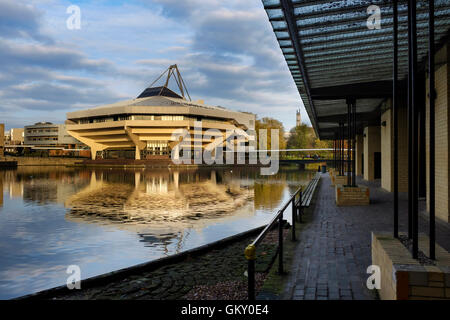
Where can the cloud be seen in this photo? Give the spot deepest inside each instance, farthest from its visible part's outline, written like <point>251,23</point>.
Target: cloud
<point>48,56</point>
<point>18,20</point>
<point>186,8</point>
<point>39,73</point>
<point>234,57</point>
<point>43,93</point>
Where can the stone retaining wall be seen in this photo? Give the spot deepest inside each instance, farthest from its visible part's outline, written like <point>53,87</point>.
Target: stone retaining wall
<point>336,179</point>
<point>38,161</point>
<point>404,278</point>
<point>352,196</point>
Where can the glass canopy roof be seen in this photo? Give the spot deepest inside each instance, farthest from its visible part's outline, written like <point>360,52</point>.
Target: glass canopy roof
<point>333,43</point>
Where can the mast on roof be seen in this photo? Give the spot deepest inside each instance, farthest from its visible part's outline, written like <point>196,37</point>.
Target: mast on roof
<point>173,71</point>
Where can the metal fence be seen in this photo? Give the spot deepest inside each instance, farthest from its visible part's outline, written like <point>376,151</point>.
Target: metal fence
<point>250,250</point>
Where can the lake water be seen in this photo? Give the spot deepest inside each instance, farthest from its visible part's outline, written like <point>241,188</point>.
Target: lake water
<point>107,219</point>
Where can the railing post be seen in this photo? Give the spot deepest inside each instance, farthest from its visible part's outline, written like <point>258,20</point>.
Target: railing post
<point>280,244</point>
<point>250,255</point>
<point>300,207</point>
<point>294,209</point>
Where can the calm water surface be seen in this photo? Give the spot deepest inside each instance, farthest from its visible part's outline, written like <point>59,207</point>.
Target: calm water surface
<point>107,219</point>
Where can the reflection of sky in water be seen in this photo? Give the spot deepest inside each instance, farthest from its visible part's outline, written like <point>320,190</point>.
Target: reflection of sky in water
<point>104,220</point>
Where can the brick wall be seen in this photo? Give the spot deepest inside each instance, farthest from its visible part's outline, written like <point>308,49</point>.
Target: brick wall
<point>404,278</point>
<point>352,196</point>
<point>387,149</point>
<point>442,116</point>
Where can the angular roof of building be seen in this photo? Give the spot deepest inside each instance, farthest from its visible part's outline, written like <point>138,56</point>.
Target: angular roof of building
<point>332,54</point>
<point>159,91</point>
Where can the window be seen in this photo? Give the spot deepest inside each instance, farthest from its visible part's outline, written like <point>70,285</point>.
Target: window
<point>143,117</point>
<point>172,118</point>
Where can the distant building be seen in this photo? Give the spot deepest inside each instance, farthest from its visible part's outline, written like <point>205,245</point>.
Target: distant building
<point>15,136</point>
<point>47,134</point>
<point>299,119</point>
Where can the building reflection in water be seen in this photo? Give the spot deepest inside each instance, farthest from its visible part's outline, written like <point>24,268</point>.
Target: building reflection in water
<point>1,190</point>
<point>157,204</point>
<point>10,184</point>
<point>43,185</point>
<point>160,205</point>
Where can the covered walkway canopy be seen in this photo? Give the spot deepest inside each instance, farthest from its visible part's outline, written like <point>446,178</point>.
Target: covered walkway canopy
<point>333,54</point>
<point>356,62</point>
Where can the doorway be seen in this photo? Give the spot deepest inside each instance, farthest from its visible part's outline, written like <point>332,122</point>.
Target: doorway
<point>377,165</point>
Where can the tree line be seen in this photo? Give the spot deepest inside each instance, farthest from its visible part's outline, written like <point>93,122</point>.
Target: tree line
<point>299,137</point>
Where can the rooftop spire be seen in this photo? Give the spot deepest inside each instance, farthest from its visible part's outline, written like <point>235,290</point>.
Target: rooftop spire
<point>172,71</point>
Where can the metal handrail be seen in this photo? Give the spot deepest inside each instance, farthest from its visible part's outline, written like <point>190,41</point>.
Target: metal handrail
<point>250,250</point>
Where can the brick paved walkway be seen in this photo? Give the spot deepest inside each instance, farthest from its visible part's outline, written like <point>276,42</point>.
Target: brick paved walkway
<point>335,247</point>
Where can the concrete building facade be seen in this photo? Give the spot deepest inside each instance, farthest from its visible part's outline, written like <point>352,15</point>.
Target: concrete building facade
<point>14,136</point>
<point>47,134</point>
<point>142,128</point>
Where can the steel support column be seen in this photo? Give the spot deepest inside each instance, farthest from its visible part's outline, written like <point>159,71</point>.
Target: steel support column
<point>341,171</point>
<point>395,114</point>
<point>431,90</point>
<point>336,144</point>
<point>349,134</point>
<point>339,149</point>
<point>410,121</point>
<point>334,154</point>
<point>335,151</point>
<point>412,45</point>
<point>343,149</point>
<point>354,144</point>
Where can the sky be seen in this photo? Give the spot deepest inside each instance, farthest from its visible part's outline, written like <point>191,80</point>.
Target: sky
<point>226,51</point>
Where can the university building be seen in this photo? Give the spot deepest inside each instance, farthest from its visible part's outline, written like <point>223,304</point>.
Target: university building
<point>47,134</point>
<point>142,128</point>
<point>14,136</point>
